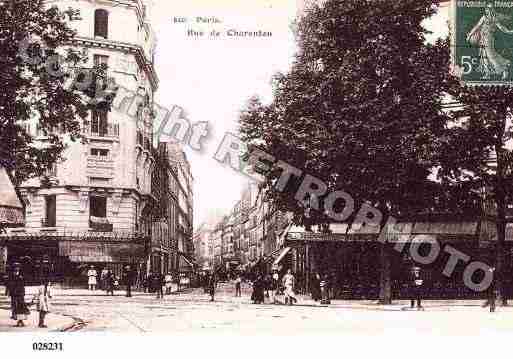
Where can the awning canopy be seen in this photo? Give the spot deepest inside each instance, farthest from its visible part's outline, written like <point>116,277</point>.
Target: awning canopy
<point>11,209</point>
<point>282,255</point>
<point>441,230</point>
<point>186,264</point>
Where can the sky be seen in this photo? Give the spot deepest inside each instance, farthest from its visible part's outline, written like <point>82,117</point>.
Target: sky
<point>212,78</point>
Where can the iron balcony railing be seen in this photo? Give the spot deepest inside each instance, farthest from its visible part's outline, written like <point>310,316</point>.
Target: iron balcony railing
<point>111,130</point>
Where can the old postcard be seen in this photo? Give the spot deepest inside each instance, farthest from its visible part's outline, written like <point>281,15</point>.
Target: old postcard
<point>313,169</point>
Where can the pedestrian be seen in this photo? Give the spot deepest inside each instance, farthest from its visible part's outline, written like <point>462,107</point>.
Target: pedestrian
<point>268,286</point>
<point>238,282</point>
<point>129,278</point>
<point>274,283</point>
<point>92,275</point>
<point>103,278</point>
<point>289,282</point>
<point>416,286</point>
<point>109,282</point>
<point>8,290</point>
<point>258,290</point>
<point>17,290</point>
<point>168,279</point>
<point>159,284</point>
<point>212,283</point>
<point>492,291</point>
<point>324,289</point>
<point>315,288</point>
<point>5,278</point>
<point>42,299</point>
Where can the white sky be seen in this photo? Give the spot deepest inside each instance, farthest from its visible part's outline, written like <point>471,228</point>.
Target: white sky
<point>212,78</point>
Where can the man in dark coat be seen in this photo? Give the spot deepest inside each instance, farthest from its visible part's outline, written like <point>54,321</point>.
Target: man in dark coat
<point>157,282</point>
<point>129,277</point>
<point>109,282</point>
<point>315,287</point>
<point>417,283</point>
<point>212,283</point>
<point>258,290</point>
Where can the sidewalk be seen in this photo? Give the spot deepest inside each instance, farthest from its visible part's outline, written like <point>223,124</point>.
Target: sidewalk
<point>446,305</point>
<point>55,322</point>
<point>404,305</point>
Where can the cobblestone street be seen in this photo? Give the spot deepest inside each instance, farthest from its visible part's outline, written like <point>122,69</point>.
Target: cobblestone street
<point>191,311</point>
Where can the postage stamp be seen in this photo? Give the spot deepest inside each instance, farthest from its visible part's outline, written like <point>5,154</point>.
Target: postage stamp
<point>483,41</point>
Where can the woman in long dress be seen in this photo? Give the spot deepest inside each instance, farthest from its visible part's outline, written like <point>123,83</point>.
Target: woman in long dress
<point>491,63</point>
<point>17,288</point>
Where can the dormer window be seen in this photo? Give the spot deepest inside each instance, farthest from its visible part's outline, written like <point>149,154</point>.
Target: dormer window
<point>101,23</point>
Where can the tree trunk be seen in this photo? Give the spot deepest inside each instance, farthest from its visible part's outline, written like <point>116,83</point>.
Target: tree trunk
<point>500,198</point>
<point>499,248</point>
<point>385,290</point>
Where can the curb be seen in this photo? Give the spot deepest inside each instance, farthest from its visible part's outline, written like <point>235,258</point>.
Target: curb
<point>77,325</point>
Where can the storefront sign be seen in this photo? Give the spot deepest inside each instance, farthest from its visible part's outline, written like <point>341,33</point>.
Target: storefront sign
<point>330,237</point>
<point>101,252</point>
<point>482,41</point>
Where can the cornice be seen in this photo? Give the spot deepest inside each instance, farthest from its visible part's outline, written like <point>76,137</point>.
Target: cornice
<point>137,50</point>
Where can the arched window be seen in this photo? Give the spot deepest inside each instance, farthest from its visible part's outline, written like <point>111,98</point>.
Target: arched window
<point>101,23</point>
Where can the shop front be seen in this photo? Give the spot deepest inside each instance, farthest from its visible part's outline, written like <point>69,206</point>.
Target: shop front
<point>353,263</point>
<point>188,275</point>
<point>67,258</point>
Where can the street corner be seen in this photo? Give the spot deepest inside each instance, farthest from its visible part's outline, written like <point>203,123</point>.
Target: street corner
<point>54,323</point>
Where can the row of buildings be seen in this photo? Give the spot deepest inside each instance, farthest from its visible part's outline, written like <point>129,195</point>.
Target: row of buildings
<point>251,232</point>
<point>119,197</point>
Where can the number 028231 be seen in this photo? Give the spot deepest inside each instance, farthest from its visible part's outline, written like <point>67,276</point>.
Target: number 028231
<point>47,346</point>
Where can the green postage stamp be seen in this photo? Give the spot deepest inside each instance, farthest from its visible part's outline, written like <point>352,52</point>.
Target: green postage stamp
<point>482,40</point>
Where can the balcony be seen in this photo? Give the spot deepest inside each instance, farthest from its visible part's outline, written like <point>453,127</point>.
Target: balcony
<point>99,224</point>
<point>111,130</point>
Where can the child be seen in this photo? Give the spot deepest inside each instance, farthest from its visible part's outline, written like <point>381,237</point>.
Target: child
<point>43,303</point>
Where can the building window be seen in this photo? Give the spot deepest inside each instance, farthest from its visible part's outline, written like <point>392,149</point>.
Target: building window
<point>101,61</point>
<point>99,123</point>
<point>98,207</point>
<point>50,211</point>
<point>101,23</point>
<point>99,152</point>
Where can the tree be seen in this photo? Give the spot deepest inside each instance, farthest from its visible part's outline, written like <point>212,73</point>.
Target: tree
<point>361,109</point>
<point>38,89</point>
<point>478,151</point>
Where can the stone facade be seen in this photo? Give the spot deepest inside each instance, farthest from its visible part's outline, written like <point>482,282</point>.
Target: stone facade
<point>102,186</point>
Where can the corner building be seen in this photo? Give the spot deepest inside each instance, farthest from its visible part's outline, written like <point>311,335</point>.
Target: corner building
<point>94,207</point>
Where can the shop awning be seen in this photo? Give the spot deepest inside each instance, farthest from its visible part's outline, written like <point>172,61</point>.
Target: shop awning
<point>186,264</point>
<point>273,255</point>
<point>282,255</point>
<point>11,209</point>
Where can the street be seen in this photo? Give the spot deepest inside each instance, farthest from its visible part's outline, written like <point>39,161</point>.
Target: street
<point>191,311</point>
